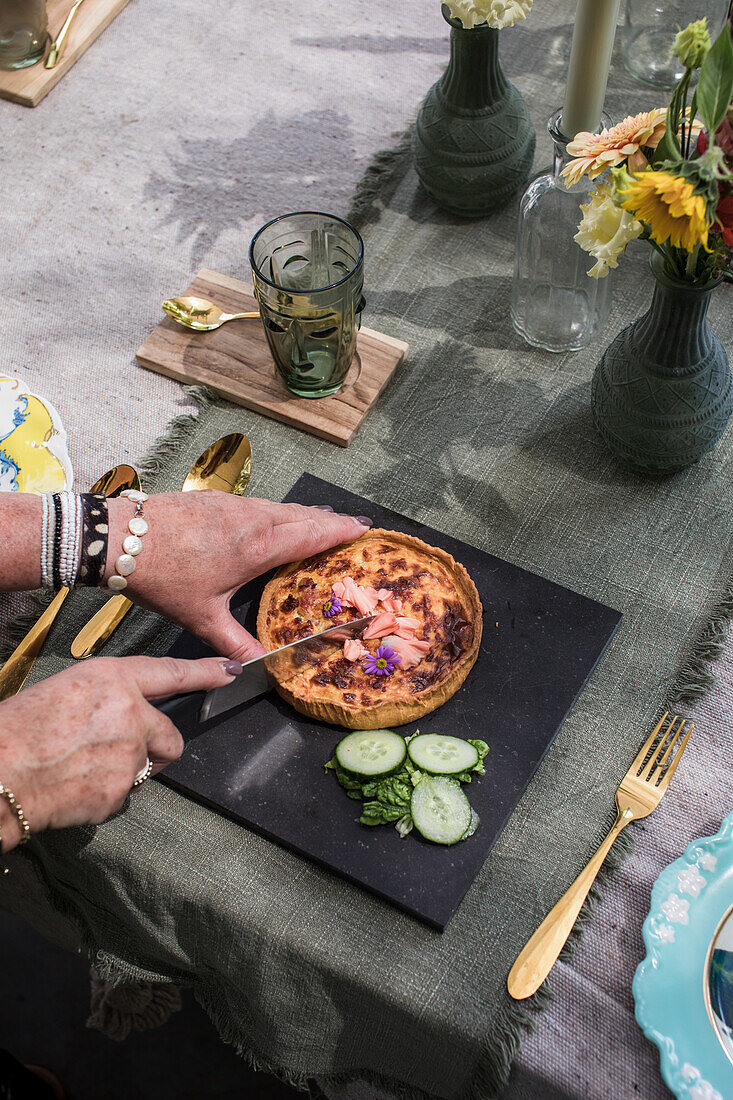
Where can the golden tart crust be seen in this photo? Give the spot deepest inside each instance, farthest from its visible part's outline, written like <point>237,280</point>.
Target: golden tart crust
<point>435,589</point>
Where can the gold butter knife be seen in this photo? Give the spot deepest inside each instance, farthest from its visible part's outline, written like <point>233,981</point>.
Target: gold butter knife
<point>59,44</point>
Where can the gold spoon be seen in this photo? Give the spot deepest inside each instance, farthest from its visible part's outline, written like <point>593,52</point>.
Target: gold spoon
<point>59,44</point>
<point>201,314</point>
<point>225,465</point>
<point>15,670</point>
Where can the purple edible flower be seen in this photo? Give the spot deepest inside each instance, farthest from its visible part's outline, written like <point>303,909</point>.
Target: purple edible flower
<point>332,607</point>
<point>383,662</point>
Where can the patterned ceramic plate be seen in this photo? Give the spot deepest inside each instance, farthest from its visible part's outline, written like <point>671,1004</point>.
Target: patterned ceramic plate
<point>33,454</point>
<point>684,987</point>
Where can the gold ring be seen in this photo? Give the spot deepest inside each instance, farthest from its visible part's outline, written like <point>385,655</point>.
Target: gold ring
<point>144,774</point>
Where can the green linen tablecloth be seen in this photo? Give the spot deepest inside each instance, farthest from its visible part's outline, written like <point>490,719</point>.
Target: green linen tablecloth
<point>492,442</point>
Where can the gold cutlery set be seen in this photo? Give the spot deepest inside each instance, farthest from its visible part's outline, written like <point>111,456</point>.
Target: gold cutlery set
<point>225,465</point>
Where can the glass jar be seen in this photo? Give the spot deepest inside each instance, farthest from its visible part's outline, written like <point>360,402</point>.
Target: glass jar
<point>650,27</point>
<point>556,305</point>
<point>23,32</point>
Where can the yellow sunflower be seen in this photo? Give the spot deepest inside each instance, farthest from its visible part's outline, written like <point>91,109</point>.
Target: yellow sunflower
<point>669,206</point>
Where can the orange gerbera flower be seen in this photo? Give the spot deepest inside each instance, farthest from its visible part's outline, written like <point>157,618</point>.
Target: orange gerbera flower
<point>594,153</point>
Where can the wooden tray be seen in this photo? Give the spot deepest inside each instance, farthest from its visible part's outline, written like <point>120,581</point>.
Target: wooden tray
<point>235,361</point>
<point>30,86</point>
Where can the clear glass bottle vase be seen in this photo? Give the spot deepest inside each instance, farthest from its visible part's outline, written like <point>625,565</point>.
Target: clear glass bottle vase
<point>556,305</point>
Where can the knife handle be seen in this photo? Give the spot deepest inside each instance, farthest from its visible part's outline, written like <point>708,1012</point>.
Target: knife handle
<point>92,637</point>
<point>14,672</point>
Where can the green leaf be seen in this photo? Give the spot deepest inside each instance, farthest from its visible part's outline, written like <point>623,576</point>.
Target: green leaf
<point>374,813</point>
<point>669,147</point>
<point>715,86</point>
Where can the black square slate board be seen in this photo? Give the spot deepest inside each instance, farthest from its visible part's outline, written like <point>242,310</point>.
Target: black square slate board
<point>263,763</point>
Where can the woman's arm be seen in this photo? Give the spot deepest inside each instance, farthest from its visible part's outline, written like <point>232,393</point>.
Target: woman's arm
<point>20,541</point>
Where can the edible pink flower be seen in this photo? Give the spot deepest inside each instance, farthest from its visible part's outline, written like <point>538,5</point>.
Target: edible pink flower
<point>393,604</point>
<point>363,598</point>
<point>380,625</point>
<point>410,651</point>
<point>384,594</point>
<point>406,626</point>
<point>354,650</point>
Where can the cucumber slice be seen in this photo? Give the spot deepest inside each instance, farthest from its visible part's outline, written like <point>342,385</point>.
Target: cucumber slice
<point>441,754</point>
<point>440,810</point>
<point>371,752</point>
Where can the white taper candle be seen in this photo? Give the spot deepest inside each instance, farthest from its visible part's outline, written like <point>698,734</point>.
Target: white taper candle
<point>590,61</point>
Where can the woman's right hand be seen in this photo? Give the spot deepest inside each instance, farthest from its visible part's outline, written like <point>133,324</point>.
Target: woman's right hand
<point>71,746</point>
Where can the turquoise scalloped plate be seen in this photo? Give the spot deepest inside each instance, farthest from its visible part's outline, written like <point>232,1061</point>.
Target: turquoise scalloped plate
<point>690,899</point>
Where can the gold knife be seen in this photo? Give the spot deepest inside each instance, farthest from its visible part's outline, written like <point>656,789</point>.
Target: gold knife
<point>59,44</point>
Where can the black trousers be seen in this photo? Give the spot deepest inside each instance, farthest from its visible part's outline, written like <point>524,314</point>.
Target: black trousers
<point>17,1083</point>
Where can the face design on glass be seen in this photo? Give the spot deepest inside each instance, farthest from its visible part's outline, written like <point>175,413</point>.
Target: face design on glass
<point>301,342</point>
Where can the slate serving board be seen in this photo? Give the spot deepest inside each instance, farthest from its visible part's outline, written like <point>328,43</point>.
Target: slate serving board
<point>263,763</point>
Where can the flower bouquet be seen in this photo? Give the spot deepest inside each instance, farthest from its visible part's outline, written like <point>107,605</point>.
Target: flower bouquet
<point>662,393</point>
<point>671,171</point>
<point>474,141</point>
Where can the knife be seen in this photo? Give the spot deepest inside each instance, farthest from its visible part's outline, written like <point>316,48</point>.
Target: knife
<point>261,674</point>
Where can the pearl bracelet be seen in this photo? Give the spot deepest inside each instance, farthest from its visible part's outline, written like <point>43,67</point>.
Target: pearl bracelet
<point>15,806</point>
<point>132,545</point>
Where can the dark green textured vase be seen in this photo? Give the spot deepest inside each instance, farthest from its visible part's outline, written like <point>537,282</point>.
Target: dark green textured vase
<point>662,393</point>
<point>474,141</point>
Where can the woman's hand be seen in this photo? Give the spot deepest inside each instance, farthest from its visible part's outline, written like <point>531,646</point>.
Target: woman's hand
<point>71,746</point>
<point>203,546</point>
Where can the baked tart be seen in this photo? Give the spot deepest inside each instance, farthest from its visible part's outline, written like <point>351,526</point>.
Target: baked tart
<point>414,655</point>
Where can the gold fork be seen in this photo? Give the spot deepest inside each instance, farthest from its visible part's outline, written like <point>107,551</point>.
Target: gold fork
<point>640,791</point>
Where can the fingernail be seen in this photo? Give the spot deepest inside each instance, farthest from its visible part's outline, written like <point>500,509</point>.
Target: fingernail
<point>324,507</point>
<point>232,668</point>
<point>364,521</point>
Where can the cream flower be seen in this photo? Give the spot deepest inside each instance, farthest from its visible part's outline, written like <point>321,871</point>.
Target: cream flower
<point>594,153</point>
<point>497,13</point>
<point>605,230</point>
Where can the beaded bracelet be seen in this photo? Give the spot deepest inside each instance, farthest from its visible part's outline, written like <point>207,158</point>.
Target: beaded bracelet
<point>95,531</point>
<point>15,806</point>
<point>132,545</point>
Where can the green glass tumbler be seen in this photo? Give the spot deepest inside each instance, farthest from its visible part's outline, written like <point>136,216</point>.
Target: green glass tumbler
<point>23,32</point>
<point>308,273</point>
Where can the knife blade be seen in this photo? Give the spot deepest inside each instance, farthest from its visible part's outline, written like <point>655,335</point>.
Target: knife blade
<point>261,674</point>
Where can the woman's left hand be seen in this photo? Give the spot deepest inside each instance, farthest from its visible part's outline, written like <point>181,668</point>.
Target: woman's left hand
<point>202,546</point>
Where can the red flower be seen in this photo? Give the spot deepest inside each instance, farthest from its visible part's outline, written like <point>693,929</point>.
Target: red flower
<point>725,216</point>
<point>702,142</point>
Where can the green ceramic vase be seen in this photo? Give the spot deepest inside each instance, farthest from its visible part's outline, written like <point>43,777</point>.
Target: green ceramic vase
<point>473,141</point>
<point>662,393</point>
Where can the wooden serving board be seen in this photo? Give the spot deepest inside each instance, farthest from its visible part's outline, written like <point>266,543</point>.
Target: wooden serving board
<point>29,86</point>
<point>235,361</point>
